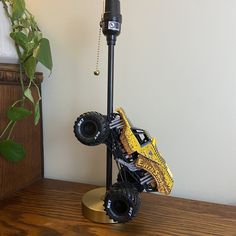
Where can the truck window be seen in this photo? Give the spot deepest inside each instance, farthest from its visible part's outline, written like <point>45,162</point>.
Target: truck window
<point>141,136</point>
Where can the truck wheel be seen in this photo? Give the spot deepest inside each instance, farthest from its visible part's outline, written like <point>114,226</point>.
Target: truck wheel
<point>122,202</point>
<point>91,128</point>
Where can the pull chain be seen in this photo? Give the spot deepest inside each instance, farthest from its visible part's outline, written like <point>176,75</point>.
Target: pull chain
<point>97,71</point>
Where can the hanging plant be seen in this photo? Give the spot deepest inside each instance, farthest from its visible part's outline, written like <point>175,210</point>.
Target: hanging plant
<point>32,48</point>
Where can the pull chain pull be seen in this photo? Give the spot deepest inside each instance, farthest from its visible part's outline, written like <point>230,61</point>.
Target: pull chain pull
<point>97,70</point>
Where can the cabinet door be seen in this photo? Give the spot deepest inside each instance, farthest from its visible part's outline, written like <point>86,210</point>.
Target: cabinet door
<point>15,176</point>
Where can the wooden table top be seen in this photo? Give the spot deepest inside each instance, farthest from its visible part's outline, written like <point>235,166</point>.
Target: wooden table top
<point>53,208</point>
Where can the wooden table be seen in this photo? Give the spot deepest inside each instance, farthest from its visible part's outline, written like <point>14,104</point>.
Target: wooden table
<point>53,208</point>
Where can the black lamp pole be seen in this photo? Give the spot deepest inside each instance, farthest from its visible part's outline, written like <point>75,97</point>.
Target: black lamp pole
<point>111,26</point>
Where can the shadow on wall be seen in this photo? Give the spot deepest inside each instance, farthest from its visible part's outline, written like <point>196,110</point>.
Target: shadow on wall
<point>90,165</point>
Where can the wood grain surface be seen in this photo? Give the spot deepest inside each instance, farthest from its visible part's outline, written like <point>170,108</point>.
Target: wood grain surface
<point>53,208</point>
<point>10,74</point>
<point>15,176</point>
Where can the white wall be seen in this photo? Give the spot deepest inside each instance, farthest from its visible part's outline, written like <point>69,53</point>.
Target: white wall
<point>175,77</point>
<point>7,48</point>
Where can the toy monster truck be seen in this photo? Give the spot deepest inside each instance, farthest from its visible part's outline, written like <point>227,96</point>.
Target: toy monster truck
<point>141,167</point>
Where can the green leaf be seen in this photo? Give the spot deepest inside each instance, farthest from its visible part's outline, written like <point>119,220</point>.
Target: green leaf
<point>18,8</point>
<point>30,67</point>
<point>37,37</point>
<point>33,23</point>
<point>44,54</point>
<point>29,95</point>
<point>30,46</point>
<point>30,36</point>
<point>36,113</point>
<point>11,150</point>
<point>25,23</point>
<point>20,38</point>
<point>36,52</point>
<point>17,113</point>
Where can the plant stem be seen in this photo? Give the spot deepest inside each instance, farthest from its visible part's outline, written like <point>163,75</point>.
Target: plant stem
<point>21,75</point>
<point>5,130</point>
<point>38,91</point>
<point>18,101</point>
<point>10,132</point>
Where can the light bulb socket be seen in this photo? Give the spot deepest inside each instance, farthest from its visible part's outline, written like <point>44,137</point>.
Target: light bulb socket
<point>111,21</point>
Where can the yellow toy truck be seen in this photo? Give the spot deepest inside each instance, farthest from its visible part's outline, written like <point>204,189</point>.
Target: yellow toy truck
<point>141,166</point>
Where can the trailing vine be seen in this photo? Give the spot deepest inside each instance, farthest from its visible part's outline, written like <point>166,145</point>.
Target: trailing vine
<point>32,48</point>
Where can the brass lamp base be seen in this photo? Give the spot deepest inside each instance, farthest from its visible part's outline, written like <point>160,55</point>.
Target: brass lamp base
<point>92,206</point>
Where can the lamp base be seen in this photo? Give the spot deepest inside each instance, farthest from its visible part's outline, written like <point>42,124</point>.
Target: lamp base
<point>92,206</point>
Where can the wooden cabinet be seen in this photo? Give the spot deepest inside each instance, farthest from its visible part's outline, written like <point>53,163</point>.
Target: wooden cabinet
<point>15,176</point>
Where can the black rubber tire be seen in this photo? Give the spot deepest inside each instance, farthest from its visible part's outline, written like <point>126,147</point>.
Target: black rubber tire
<point>91,128</point>
<point>129,178</point>
<point>122,202</point>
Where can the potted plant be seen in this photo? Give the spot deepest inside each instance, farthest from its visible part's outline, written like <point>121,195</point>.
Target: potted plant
<point>32,48</point>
